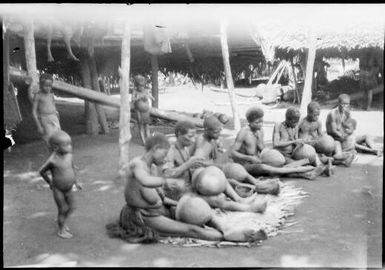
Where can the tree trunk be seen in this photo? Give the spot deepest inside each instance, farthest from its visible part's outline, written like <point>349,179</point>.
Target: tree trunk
<point>95,85</point>
<point>229,78</point>
<point>92,127</point>
<point>343,64</point>
<point>154,79</point>
<point>306,94</point>
<point>125,110</point>
<point>30,58</point>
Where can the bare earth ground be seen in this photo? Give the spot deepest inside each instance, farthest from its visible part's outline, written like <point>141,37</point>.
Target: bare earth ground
<point>339,225</point>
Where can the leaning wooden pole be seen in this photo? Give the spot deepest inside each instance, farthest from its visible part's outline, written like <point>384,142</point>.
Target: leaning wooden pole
<point>125,110</point>
<point>229,78</point>
<point>306,94</point>
<point>30,57</point>
<point>154,80</point>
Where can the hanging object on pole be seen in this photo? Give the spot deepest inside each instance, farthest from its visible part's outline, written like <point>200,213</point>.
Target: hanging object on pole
<point>156,39</point>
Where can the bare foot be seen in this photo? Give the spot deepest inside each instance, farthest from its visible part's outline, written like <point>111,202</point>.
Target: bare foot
<point>314,173</point>
<point>249,199</point>
<point>328,168</point>
<point>258,205</point>
<point>245,235</point>
<point>349,160</point>
<point>64,234</point>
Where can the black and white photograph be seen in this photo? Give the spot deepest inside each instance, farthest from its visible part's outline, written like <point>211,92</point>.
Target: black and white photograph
<point>193,135</point>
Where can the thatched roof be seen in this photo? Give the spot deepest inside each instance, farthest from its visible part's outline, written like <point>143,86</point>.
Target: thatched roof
<point>341,30</point>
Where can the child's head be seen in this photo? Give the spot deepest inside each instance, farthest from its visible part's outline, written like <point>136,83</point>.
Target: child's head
<point>344,102</point>
<point>158,145</point>
<point>313,111</point>
<point>349,125</point>
<point>46,81</point>
<point>140,81</point>
<point>254,116</point>
<point>60,141</point>
<point>212,127</point>
<point>292,117</point>
<point>185,133</point>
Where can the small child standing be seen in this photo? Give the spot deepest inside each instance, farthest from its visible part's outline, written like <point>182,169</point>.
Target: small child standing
<point>142,106</point>
<point>63,178</point>
<point>44,110</point>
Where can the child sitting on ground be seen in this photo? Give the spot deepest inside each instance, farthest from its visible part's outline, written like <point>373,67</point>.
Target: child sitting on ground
<point>142,106</point>
<point>63,178</point>
<point>350,143</point>
<point>44,110</point>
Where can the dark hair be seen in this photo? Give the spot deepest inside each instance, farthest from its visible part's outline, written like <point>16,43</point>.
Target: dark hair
<point>157,139</point>
<point>292,113</point>
<point>182,127</point>
<point>254,113</point>
<point>343,96</point>
<point>56,137</point>
<point>44,77</point>
<point>350,121</point>
<point>211,122</point>
<point>312,106</point>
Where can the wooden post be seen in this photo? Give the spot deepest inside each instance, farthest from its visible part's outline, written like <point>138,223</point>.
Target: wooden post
<point>5,61</point>
<point>125,110</point>
<point>90,113</point>
<point>296,95</point>
<point>229,78</point>
<point>95,85</point>
<point>154,79</point>
<point>306,94</point>
<point>30,57</point>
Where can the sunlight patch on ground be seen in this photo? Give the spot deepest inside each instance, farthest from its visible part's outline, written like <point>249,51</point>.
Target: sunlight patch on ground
<point>162,262</point>
<point>39,214</point>
<point>296,261</point>
<point>369,160</point>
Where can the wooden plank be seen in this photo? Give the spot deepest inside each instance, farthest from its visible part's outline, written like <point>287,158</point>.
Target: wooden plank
<point>229,77</point>
<point>359,95</point>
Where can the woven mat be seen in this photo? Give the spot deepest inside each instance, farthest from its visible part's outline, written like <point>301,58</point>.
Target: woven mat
<point>272,221</point>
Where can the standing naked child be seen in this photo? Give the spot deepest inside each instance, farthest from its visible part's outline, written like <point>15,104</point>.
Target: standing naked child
<point>63,178</point>
<point>142,106</point>
<point>44,110</point>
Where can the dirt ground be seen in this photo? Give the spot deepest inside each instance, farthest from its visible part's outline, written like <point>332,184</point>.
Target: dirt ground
<point>339,225</point>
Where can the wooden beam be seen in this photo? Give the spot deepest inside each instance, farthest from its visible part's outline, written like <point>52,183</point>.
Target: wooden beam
<point>154,80</point>
<point>90,95</point>
<point>229,78</point>
<point>125,106</point>
<point>30,58</point>
<point>306,93</point>
<point>359,95</point>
